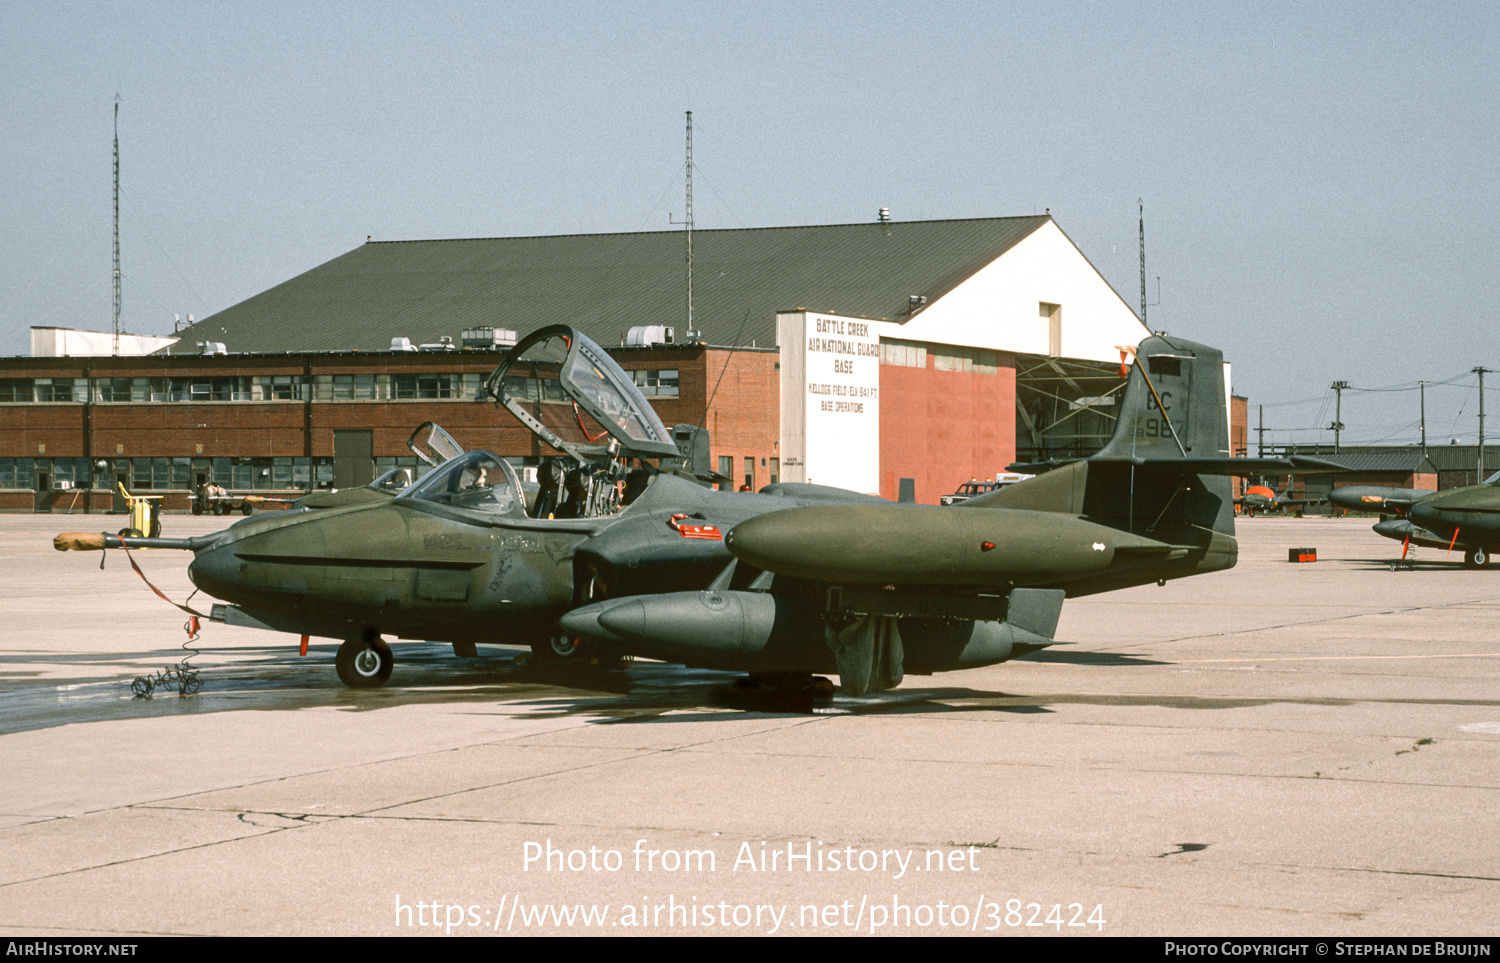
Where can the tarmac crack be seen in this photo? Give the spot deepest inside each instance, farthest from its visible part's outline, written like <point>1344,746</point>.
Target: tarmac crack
<point>156,855</point>
<point>1411,872</point>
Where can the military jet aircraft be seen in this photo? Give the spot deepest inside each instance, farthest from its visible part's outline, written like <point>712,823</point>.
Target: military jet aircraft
<point>1261,499</point>
<point>619,557</point>
<point>1466,518</point>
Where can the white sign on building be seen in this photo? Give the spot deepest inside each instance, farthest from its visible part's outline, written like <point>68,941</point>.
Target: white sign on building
<point>830,400</point>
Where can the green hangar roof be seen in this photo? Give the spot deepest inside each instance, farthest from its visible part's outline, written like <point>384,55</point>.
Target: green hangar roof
<point>604,284</point>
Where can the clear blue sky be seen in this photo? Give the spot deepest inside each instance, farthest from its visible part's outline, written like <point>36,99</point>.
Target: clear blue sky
<point>1319,178</point>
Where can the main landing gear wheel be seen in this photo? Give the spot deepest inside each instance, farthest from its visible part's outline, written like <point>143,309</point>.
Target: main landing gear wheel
<point>564,650</point>
<point>364,664</point>
<point>131,533</point>
<point>1477,557</point>
<point>561,650</point>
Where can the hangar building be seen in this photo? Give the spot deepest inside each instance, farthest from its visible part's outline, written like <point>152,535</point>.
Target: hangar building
<point>872,356</point>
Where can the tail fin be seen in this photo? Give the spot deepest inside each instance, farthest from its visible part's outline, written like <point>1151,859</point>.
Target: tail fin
<point>1160,472</point>
<point>1175,406</point>
<point>1164,473</point>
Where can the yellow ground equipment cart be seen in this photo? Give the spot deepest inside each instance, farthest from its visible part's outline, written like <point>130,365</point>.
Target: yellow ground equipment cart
<point>145,515</point>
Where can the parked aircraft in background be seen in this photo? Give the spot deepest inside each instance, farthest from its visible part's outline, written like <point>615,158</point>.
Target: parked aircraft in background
<point>1262,500</point>
<point>1464,518</point>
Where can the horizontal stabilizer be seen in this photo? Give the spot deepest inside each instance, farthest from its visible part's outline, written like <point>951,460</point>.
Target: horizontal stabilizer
<point>1038,467</point>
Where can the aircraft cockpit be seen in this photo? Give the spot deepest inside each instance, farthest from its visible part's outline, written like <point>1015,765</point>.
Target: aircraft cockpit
<point>393,481</point>
<point>477,481</point>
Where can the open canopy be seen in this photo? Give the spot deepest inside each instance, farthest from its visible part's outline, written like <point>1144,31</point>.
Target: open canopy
<point>556,376</point>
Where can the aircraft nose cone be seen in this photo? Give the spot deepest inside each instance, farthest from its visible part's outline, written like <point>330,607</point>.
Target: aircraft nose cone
<point>1397,528</point>
<point>215,571</point>
<point>783,540</point>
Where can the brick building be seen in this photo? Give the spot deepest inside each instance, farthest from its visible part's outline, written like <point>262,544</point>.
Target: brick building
<point>860,355</point>
<point>72,428</point>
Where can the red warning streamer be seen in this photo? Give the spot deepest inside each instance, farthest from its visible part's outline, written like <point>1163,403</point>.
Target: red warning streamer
<point>193,630</point>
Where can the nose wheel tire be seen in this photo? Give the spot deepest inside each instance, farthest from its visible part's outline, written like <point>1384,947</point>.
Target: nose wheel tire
<point>364,665</point>
<point>1477,557</point>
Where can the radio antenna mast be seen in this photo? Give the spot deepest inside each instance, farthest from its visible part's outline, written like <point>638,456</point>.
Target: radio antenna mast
<point>116,349</point>
<point>690,223</point>
<point>1142,202</point>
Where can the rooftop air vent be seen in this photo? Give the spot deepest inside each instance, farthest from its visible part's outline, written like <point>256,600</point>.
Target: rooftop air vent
<point>646,335</point>
<point>488,339</point>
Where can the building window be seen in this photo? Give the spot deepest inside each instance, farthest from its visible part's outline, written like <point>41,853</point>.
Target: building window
<point>16,473</point>
<point>534,389</point>
<point>726,468</point>
<point>750,473</point>
<point>150,474</point>
<point>344,387</point>
<point>905,354</point>
<point>423,386</point>
<point>1052,315</point>
<point>417,467</point>
<point>656,383</point>
<point>113,390</point>
<point>968,360</point>
<point>58,389</point>
<point>278,388</point>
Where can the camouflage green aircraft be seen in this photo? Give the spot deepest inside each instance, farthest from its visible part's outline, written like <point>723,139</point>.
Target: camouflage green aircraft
<point>1467,518</point>
<point>618,557</point>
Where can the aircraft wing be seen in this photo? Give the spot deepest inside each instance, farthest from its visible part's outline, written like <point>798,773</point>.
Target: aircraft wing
<point>1238,467</point>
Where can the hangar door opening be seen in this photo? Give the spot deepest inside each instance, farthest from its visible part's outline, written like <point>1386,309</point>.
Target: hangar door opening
<point>1065,407</point>
<point>353,458</point>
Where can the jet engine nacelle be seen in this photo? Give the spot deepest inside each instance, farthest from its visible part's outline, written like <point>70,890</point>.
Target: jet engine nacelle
<point>762,632</point>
